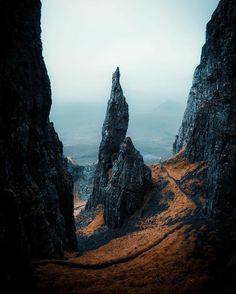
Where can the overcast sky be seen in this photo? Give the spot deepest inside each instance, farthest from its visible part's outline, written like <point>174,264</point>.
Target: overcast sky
<point>156,44</point>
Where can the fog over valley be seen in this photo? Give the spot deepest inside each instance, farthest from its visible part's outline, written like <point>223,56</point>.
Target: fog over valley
<point>153,130</point>
<point>156,45</point>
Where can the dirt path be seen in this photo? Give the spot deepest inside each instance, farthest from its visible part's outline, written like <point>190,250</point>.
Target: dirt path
<point>175,181</point>
<point>110,262</point>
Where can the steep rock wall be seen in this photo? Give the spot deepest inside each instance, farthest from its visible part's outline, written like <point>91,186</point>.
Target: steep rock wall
<point>208,129</point>
<point>36,199</point>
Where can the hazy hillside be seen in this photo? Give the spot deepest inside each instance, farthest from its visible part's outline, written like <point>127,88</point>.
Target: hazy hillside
<point>79,127</point>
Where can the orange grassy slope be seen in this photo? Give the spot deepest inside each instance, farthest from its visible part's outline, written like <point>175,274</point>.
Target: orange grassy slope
<point>162,248</point>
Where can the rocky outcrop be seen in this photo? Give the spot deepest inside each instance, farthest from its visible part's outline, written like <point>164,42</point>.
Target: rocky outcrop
<point>130,179</point>
<point>121,177</point>
<point>36,199</point>
<point>113,134</point>
<point>208,129</point>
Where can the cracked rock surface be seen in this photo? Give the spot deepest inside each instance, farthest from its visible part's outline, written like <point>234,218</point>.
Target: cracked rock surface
<point>208,130</point>
<point>121,178</point>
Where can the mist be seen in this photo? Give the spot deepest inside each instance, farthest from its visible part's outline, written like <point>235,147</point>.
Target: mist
<point>155,43</point>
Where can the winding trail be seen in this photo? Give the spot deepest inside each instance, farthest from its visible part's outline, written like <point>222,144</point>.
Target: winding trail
<point>175,181</point>
<point>108,263</point>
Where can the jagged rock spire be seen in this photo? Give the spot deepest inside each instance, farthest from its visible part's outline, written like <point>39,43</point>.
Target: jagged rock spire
<point>113,133</point>
<point>121,177</point>
<point>115,124</point>
<point>116,77</point>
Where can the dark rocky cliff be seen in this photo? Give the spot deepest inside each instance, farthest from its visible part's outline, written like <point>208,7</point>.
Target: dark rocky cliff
<point>36,199</point>
<point>208,130</point>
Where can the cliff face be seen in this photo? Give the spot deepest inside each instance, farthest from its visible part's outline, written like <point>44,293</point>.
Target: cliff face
<point>113,133</point>
<point>208,129</point>
<point>36,199</point>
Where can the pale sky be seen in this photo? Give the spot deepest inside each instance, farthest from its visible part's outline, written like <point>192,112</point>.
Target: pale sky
<point>156,44</point>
